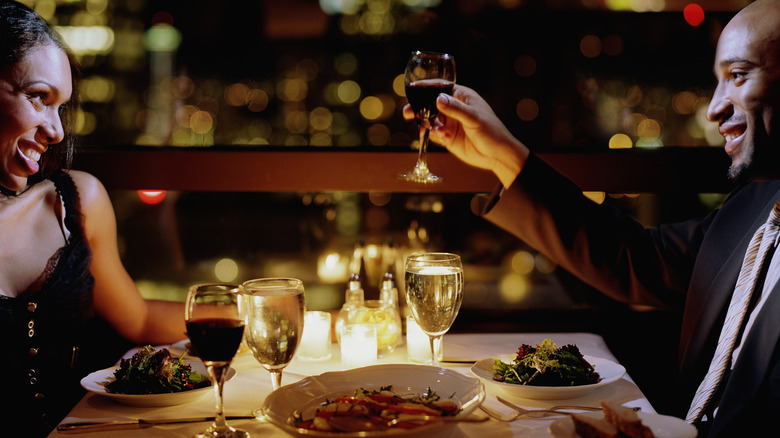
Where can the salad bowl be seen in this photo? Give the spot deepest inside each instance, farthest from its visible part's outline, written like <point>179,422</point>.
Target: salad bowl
<point>609,371</point>
<point>96,383</point>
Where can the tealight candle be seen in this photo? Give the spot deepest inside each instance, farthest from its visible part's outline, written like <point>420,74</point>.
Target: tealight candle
<point>418,344</point>
<point>315,342</point>
<point>358,345</point>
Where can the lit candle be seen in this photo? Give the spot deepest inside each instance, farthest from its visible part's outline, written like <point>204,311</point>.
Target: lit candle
<point>418,344</point>
<point>358,345</point>
<point>332,268</point>
<point>315,342</point>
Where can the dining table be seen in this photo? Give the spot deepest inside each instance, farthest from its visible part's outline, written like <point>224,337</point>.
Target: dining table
<point>245,392</point>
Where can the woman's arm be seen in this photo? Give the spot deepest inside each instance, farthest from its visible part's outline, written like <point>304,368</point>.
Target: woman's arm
<point>117,299</point>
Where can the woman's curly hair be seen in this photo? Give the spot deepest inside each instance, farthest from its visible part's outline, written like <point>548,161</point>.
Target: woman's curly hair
<point>22,30</point>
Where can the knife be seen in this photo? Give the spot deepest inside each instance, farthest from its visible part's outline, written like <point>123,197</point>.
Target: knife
<point>457,360</point>
<point>94,426</point>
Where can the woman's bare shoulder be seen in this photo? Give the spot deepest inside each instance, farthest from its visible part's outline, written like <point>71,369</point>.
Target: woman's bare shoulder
<point>91,190</point>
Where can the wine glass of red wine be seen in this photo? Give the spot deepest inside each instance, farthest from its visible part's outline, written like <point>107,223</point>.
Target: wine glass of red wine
<point>427,75</point>
<point>215,326</point>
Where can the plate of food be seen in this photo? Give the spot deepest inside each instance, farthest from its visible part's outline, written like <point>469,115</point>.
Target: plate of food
<point>546,372</point>
<point>617,420</point>
<point>372,396</point>
<point>152,378</point>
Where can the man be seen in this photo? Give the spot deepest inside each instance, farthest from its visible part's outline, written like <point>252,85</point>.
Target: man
<point>694,264</point>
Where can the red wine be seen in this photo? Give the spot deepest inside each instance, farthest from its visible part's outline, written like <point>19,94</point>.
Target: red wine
<point>422,96</point>
<point>215,339</point>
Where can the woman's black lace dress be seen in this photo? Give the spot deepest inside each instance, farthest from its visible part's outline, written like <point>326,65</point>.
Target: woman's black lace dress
<point>42,333</point>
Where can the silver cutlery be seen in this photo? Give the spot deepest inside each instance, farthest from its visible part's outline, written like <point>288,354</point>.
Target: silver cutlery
<point>560,409</point>
<point>499,416</point>
<point>458,360</point>
<point>517,413</point>
<point>94,426</point>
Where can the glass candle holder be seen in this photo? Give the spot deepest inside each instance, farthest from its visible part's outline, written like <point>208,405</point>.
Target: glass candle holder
<point>315,343</point>
<point>387,321</point>
<point>358,345</point>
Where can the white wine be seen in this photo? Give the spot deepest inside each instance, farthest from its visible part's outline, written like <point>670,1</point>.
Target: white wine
<point>434,295</point>
<point>274,327</point>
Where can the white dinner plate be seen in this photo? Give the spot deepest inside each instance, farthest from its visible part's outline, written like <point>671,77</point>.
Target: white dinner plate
<point>310,393</point>
<point>663,426</point>
<point>96,383</point>
<point>608,371</point>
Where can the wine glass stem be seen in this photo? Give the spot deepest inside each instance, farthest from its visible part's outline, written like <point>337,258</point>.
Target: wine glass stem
<point>422,158</point>
<point>217,374</point>
<point>435,348</point>
<point>276,379</point>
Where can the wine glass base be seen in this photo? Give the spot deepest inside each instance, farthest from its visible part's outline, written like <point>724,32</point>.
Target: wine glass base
<point>426,178</point>
<point>229,432</point>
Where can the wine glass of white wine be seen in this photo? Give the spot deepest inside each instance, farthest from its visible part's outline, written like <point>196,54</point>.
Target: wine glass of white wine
<point>215,327</point>
<point>274,321</point>
<point>434,293</point>
<point>427,75</point>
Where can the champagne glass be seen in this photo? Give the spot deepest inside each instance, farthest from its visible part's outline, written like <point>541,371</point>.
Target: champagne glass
<point>215,328</point>
<point>274,321</point>
<point>427,75</point>
<point>434,292</point>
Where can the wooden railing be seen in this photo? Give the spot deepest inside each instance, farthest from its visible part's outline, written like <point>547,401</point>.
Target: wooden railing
<point>666,169</point>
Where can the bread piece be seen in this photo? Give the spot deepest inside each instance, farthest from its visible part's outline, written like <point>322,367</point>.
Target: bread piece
<point>588,426</point>
<point>626,420</point>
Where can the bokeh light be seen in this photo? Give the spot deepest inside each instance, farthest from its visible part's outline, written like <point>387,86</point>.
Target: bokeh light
<point>88,40</point>
<point>694,14</point>
<point>226,270</point>
<point>201,122</point>
<point>527,109</point>
<point>522,262</point>
<point>590,46</point>
<point>348,92</point>
<point>152,197</point>
<point>371,108</point>
<point>525,65</point>
<point>513,288</point>
<point>620,141</point>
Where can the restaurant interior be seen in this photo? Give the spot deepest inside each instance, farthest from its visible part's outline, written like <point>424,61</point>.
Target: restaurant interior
<point>259,138</point>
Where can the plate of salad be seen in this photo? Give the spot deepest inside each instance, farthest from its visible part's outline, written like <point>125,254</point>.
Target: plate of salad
<point>546,372</point>
<point>152,378</point>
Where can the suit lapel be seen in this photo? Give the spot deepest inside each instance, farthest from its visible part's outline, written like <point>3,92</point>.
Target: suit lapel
<point>707,312</point>
<point>750,369</point>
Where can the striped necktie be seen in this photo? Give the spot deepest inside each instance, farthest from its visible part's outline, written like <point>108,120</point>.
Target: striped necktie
<point>762,241</point>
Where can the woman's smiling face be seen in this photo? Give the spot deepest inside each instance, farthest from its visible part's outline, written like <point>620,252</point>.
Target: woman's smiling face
<point>31,94</point>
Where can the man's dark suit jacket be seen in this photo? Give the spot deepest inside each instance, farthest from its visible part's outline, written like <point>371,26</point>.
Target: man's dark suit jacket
<point>694,264</point>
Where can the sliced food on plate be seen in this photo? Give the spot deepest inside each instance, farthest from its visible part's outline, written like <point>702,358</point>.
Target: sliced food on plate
<point>376,410</point>
<point>618,421</point>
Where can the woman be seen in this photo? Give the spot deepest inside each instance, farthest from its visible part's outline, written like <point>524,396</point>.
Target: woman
<point>60,270</point>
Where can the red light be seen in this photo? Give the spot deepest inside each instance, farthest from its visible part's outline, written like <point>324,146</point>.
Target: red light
<point>152,197</point>
<point>694,14</point>
<point>162,17</point>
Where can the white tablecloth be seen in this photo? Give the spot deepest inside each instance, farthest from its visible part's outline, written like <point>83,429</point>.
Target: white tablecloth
<point>247,390</point>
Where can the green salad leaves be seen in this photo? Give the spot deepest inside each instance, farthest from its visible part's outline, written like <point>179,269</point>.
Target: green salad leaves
<point>155,372</point>
<point>546,365</point>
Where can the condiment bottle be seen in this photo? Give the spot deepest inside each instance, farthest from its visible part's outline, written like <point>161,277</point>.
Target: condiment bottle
<point>353,301</point>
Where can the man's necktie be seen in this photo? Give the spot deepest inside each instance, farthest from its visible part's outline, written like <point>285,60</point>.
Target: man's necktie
<point>762,241</point>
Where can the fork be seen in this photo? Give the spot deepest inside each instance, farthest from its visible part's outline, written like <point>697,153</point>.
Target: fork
<point>499,416</point>
<point>555,409</point>
<point>520,412</point>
